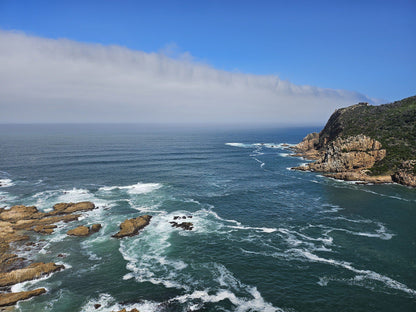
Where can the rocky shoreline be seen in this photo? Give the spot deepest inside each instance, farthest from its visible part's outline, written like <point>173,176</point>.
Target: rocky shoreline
<point>17,223</point>
<point>350,159</point>
<point>364,143</point>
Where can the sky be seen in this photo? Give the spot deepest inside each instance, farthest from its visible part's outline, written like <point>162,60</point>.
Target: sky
<point>276,62</point>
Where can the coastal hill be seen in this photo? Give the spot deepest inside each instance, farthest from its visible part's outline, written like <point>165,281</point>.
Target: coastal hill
<point>369,143</point>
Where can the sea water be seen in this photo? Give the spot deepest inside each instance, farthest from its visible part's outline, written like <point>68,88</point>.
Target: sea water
<point>265,238</point>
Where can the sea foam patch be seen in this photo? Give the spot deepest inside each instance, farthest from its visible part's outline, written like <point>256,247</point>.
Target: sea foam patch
<point>6,183</point>
<point>138,188</point>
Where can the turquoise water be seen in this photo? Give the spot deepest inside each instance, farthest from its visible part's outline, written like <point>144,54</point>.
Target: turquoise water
<point>265,238</point>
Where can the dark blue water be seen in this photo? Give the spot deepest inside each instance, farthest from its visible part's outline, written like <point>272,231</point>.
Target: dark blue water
<point>265,238</point>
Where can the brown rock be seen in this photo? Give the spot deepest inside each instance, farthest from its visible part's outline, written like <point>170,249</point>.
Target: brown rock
<point>79,231</point>
<point>66,208</point>
<point>95,228</point>
<point>97,305</point>
<point>350,154</point>
<point>84,230</point>
<point>31,272</point>
<point>44,229</point>
<point>19,212</point>
<point>353,153</point>
<point>28,224</point>
<point>405,175</point>
<point>131,227</point>
<point>7,299</point>
<point>357,176</point>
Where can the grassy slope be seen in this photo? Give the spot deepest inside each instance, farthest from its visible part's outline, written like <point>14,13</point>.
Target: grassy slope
<point>393,125</point>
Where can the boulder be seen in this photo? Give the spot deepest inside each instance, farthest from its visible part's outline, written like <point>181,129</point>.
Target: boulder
<point>131,227</point>
<point>84,230</point>
<point>79,231</point>
<point>7,299</point>
<point>95,228</point>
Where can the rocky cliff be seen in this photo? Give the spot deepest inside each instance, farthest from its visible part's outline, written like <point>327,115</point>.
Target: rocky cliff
<point>367,143</point>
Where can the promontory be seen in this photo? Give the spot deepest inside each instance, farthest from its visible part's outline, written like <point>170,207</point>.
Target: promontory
<point>368,143</point>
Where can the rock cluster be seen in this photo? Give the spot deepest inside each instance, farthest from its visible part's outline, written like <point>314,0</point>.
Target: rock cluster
<point>14,226</point>
<point>188,226</point>
<point>83,230</point>
<point>131,227</point>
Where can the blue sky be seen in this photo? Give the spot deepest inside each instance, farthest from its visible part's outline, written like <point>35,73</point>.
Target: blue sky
<point>361,46</point>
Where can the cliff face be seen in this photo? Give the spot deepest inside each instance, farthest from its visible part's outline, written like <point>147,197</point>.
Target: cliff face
<point>352,153</point>
<point>367,143</point>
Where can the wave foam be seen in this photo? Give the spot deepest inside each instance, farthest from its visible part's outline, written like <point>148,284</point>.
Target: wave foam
<point>138,188</point>
<point>6,183</point>
<point>364,274</point>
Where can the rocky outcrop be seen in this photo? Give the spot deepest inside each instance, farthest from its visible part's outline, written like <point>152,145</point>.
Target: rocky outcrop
<point>66,208</point>
<point>307,148</point>
<point>124,310</point>
<point>350,154</point>
<point>406,174</point>
<point>365,143</point>
<point>31,272</point>
<point>8,299</point>
<point>131,227</point>
<point>84,230</point>
<point>349,159</point>
<point>15,223</point>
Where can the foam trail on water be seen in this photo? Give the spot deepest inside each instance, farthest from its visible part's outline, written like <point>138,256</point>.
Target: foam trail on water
<point>366,274</point>
<point>108,304</point>
<point>240,145</point>
<point>138,188</point>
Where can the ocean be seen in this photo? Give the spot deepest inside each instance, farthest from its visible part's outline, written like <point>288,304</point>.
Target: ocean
<point>265,238</point>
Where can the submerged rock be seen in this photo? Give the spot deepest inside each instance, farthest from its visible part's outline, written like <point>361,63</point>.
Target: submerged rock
<point>44,229</point>
<point>184,225</point>
<point>7,299</point>
<point>131,227</point>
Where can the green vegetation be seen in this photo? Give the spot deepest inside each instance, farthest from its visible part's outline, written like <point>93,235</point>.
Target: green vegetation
<point>393,125</point>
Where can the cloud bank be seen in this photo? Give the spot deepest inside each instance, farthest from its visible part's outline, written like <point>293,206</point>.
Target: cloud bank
<point>49,80</point>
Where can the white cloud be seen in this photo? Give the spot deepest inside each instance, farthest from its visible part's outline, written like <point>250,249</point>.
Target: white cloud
<point>48,80</point>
